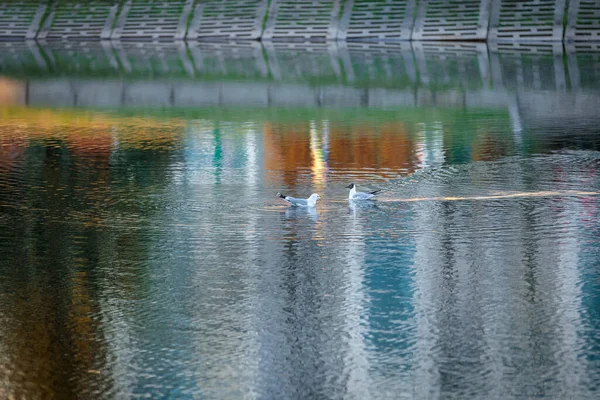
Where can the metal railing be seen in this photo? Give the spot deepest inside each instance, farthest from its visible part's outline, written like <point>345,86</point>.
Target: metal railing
<point>302,20</point>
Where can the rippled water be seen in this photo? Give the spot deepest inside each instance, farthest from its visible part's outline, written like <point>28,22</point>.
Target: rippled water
<point>144,253</point>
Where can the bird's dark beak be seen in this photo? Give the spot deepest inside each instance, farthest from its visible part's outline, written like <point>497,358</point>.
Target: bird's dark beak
<point>350,186</point>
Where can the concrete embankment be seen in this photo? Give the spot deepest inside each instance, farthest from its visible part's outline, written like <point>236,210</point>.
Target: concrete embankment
<point>301,21</point>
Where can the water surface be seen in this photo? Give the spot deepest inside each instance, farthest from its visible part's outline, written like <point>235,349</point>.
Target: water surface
<point>144,253</point>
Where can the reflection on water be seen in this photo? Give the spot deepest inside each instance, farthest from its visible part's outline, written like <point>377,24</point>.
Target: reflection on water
<point>436,65</point>
<point>145,252</point>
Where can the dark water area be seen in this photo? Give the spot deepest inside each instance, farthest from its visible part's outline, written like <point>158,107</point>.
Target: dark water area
<point>145,254</point>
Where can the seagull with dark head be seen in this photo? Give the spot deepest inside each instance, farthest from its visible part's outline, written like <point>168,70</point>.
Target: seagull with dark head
<point>354,195</point>
<point>295,202</point>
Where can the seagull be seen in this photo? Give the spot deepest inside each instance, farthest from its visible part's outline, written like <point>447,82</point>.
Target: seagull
<point>354,195</point>
<point>310,202</point>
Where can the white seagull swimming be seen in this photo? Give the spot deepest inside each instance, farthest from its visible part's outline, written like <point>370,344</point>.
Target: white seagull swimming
<point>310,202</point>
<point>354,195</point>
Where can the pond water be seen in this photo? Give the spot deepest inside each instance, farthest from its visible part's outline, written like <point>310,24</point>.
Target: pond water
<point>145,254</point>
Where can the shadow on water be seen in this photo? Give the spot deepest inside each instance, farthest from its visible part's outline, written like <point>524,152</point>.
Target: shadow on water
<point>145,253</point>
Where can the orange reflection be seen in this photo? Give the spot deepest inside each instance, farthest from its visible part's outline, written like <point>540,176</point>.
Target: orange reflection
<point>92,143</point>
<point>287,149</point>
<point>12,92</point>
<point>89,133</point>
<point>11,149</point>
<point>387,147</point>
<point>292,148</point>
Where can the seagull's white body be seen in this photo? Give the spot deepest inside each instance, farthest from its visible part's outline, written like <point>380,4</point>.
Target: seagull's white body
<point>354,195</point>
<point>310,202</point>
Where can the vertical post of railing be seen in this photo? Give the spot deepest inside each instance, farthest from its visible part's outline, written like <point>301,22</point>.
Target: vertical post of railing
<point>344,23</point>
<point>183,20</point>
<point>270,22</point>
<point>116,33</point>
<point>45,28</point>
<point>35,23</point>
<point>558,29</point>
<point>107,30</point>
